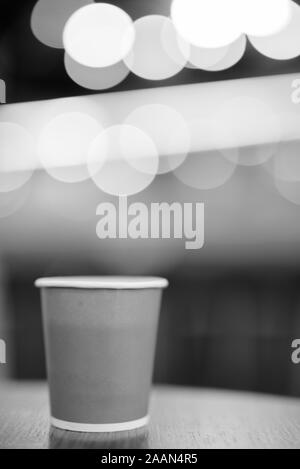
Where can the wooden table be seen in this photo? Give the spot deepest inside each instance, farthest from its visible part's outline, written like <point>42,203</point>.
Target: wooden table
<point>181,418</point>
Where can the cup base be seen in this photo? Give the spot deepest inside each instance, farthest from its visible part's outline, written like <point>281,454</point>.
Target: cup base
<point>100,428</point>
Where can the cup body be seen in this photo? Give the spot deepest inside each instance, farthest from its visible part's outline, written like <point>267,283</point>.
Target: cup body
<point>100,346</point>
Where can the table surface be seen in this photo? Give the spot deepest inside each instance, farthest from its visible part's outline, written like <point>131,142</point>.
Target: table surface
<point>180,418</point>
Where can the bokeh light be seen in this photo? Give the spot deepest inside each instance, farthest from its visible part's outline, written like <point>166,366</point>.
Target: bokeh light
<point>18,158</point>
<point>206,23</point>
<point>168,130</point>
<point>63,145</point>
<point>49,17</point>
<point>289,190</point>
<point>98,35</point>
<point>286,161</point>
<point>203,58</point>
<point>255,155</point>
<point>12,202</point>
<point>235,52</point>
<point>158,52</point>
<point>49,110</point>
<point>123,160</point>
<point>256,115</point>
<point>96,78</point>
<point>208,169</point>
<point>263,17</point>
<point>284,44</point>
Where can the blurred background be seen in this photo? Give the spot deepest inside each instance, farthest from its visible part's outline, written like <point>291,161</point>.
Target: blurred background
<point>232,308</point>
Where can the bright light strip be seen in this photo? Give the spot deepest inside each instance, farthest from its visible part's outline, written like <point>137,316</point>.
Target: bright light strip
<point>199,101</point>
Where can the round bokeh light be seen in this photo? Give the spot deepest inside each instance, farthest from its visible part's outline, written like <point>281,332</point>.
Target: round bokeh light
<point>96,78</point>
<point>63,146</point>
<point>98,35</point>
<point>289,190</point>
<point>235,52</point>
<point>203,58</point>
<point>49,17</point>
<point>263,17</point>
<point>158,52</point>
<point>168,130</point>
<point>123,160</point>
<point>283,45</point>
<point>207,169</point>
<point>286,161</point>
<point>13,201</point>
<point>206,23</point>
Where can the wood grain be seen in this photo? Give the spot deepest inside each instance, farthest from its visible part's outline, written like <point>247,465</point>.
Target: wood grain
<point>181,418</point>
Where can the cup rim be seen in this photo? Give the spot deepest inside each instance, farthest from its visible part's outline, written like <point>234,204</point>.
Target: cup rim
<point>102,282</point>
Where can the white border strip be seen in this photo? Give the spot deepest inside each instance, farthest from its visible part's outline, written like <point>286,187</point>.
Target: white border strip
<point>101,427</point>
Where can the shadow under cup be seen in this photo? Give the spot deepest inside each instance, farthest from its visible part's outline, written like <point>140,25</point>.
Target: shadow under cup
<point>100,336</point>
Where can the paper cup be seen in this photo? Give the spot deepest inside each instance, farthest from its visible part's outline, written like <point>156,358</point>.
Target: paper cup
<point>100,336</point>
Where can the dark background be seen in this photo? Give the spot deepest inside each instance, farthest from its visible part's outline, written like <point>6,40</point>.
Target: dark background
<point>224,323</point>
